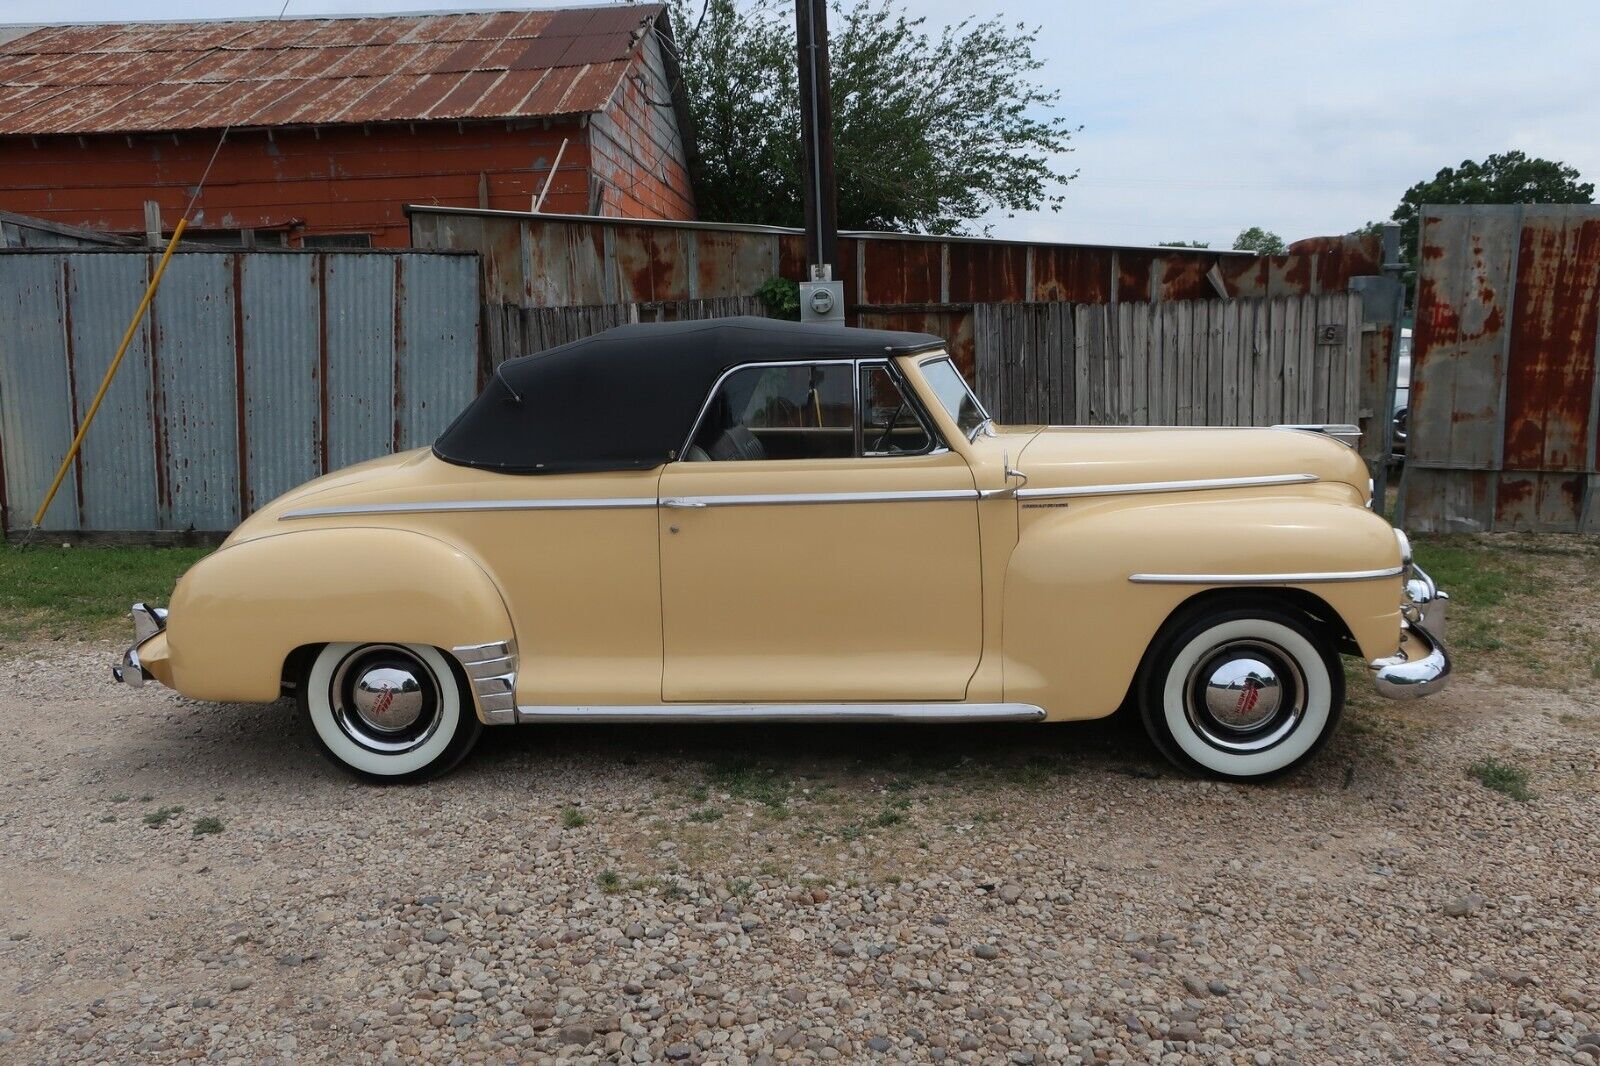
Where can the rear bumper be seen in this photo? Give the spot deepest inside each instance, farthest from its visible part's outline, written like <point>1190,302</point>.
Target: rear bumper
<point>1422,664</point>
<point>149,628</point>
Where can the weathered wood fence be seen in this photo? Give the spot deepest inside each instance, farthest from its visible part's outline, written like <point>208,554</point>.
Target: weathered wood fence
<point>1195,362</point>
<point>510,330</point>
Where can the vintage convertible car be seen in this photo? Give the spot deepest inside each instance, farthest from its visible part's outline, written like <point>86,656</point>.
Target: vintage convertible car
<point>749,520</point>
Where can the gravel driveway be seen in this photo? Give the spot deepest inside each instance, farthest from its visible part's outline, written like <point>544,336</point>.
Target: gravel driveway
<point>192,881</point>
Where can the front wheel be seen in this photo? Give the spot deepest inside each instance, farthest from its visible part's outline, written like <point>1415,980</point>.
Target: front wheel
<point>388,713</point>
<point>1245,693</point>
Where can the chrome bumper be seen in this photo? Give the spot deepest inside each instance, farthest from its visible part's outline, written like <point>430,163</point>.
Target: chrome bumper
<point>147,622</point>
<point>1421,666</point>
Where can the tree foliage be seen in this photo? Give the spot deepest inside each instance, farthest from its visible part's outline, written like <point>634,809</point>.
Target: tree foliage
<point>1183,244</point>
<point>1260,241</point>
<point>1509,178</point>
<point>931,130</point>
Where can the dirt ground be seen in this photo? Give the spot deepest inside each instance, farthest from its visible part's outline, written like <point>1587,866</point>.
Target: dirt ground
<point>192,881</point>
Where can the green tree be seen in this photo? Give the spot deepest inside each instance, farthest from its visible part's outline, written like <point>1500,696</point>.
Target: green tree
<point>1509,178</point>
<point>1183,244</point>
<point>931,131</point>
<point>1260,241</point>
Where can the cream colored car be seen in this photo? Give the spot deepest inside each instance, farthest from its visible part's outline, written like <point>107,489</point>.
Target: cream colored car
<point>746,520</point>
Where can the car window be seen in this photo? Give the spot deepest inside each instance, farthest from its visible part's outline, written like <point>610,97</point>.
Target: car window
<point>779,412</point>
<point>954,396</point>
<point>890,424</point>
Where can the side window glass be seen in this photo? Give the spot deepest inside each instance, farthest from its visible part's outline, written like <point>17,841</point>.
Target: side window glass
<point>889,422</point>
<point>779,412</point>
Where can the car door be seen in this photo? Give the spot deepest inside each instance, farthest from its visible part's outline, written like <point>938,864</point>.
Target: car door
<point>818,544</point>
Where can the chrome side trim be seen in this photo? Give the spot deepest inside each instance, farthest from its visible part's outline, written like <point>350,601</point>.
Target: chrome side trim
<point>789,712</point>
<point>782,498</point>
<point>601,503</point>
<point>491,669</point>
<point>1197,485</point>
<point>1264,579</point>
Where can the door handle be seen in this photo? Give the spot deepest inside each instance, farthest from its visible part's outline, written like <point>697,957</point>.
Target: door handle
<point>680,504</point>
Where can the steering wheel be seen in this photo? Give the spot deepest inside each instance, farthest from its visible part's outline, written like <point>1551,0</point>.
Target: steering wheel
<point>877,445</point>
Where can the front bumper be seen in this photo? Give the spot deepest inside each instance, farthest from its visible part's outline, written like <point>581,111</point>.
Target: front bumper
<point>148,623</point>
<point>1421,666</point>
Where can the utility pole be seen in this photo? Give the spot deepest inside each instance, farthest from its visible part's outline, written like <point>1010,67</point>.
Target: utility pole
<point>821,295</point>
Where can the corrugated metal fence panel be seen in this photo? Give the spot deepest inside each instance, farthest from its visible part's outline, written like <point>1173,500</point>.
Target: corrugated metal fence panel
<point>360,319</point>
<point>281,319</point>
<point>436,354</point>
<point>1505,384</point>
<point>120,489</point>
<point>35,393</point>
<point>196,366</point>
<point>254,372</point>
<point>1201,362</point>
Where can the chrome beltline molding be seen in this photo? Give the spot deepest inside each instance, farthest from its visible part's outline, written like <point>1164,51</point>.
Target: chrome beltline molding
<point>788,712</point>
<point>1264,579</point>
<point>1197,485</point>
<point>447,506</point>
<point>783,498</point>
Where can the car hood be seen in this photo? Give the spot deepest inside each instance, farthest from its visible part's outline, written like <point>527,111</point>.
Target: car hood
<point>1076,457</point>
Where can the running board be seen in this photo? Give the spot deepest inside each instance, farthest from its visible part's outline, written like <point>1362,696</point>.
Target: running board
<point>789,712</point>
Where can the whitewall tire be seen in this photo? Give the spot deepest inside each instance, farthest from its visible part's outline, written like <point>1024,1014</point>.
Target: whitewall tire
<point>388,712</point>
<point>1244,692</point>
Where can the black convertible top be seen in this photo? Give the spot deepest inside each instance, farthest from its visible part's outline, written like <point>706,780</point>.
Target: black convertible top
<point>626,398</point>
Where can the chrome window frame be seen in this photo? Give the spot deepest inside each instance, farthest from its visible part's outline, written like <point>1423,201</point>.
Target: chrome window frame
<point>909,395</point>
<point>936,441</point>
<point>987,420</point>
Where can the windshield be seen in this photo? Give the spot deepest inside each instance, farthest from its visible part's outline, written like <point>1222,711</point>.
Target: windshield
<point>954,396</point>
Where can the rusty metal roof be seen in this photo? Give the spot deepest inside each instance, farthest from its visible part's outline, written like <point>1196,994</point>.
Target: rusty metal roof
<point>164,76</point>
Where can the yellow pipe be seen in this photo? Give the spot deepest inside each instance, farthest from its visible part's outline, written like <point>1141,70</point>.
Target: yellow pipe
<point>111,371</point>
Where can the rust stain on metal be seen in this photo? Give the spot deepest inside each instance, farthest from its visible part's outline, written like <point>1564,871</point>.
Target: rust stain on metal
<point>1551,372</point>
<point>157,77</point>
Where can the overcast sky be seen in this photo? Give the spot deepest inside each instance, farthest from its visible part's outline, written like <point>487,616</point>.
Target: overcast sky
<point>1202,117</point>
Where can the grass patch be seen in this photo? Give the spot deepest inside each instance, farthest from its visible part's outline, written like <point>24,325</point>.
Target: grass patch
<point>207,826</point>
<point>887,817</point>
<point>745,780</point>
<point>609,881</point>
<point>1502,777</point>
<point>705,814</point>
<point>572,818</point>
<point>53,592</point>
<point>161,816</point>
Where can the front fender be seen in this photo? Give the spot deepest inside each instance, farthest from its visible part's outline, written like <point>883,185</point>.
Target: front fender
<point>1076,626</point>
<point>237,614</point>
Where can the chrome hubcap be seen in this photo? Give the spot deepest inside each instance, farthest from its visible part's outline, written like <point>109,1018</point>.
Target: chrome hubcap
<point>385,698</point>
<point>388,698</point>
<point>1244,696</point>
<point>1243,693</point>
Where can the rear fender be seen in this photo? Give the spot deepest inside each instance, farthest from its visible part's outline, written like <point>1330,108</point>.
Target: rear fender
<point>239,613</point>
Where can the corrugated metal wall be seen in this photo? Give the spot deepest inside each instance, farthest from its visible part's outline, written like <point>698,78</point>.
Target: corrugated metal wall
<point>1293,359</point>
<point>253,372</point>
<point>1505,394</point>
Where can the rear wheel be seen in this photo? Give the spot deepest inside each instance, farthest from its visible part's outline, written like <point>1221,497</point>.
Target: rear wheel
<point>388,712</point>
<point>1246,693</point>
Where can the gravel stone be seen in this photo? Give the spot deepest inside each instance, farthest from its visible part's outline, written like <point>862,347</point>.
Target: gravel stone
<point>1102,916</point>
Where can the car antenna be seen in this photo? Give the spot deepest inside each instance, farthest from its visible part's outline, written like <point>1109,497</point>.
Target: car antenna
<point>516,397</point>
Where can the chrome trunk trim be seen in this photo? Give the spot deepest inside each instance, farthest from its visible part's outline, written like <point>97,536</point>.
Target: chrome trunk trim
<point>1265,579</point>
<point>1132,487</point>
<point>452,506</point>
<point>491,670</point>
<point>789,712</point>
<point>1343,432</point>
